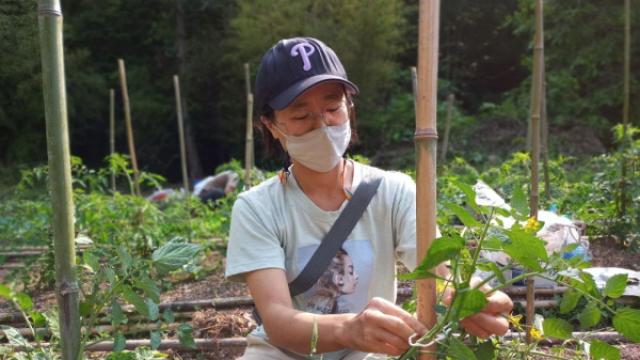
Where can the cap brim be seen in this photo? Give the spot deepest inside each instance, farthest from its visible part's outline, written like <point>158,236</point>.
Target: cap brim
<point>283,100</point>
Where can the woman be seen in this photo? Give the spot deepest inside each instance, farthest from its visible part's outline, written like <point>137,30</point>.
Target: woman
<point>303,97</point>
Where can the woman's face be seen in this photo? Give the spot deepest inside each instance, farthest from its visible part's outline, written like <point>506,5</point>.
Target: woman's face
<point>324,103</point>
<point>345,276</point>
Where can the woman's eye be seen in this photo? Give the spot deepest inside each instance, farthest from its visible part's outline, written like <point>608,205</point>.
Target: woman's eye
<point>333,109</point>
<point>301,117</point>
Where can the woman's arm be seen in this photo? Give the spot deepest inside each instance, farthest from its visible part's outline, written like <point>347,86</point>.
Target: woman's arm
<point>381,327</point>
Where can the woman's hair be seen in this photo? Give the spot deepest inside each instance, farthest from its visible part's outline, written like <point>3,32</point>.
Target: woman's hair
<point>273,146</point>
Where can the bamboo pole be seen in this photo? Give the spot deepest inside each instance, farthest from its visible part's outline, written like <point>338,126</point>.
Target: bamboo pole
<point>55,107</point>
<point>112,133</point>
<point>183,151</point>
<point>538,55</point>
<point>248,149</point>
<point>544,137</point>
<point>445,142</point>
<point>625,107</point>
<point>426,138</point>
<point>127,118</point>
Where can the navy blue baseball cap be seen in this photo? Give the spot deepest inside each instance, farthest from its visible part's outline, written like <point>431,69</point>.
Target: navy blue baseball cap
<point>292,66</point>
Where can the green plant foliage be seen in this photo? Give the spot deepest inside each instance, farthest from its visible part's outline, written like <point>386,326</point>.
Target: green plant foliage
<point>602,351</point>
<point>557,328</point>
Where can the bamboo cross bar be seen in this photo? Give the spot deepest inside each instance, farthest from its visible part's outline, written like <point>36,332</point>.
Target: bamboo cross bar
<point>183,151</point>
<point>538,55</point>
<point>55,108</point>
<point>127,118</point>
<point>426,141</point>
<point>447,128</point>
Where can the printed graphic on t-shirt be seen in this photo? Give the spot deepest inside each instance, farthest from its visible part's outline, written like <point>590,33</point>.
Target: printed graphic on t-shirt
<point>343,287</point>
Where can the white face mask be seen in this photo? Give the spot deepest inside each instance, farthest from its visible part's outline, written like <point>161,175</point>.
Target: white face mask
<point>320,149</point>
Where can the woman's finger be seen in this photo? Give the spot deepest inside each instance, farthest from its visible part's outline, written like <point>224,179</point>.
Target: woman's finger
<point>498,303</point>
<point>491,324</point>
<point>390,308</point>
<point>474,329</point>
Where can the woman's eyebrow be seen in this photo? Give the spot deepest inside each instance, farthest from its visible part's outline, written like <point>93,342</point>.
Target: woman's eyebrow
<point>301,104</point>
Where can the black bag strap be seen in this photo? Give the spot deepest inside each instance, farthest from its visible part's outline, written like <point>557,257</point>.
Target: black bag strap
<point>333,240</point>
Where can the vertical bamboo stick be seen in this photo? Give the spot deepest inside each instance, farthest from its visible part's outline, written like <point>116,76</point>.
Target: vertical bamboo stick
<point>127,118</point>
<point>248,149</point>
<point>622,208</point>
<point>112,133</point>
<point>426,138</point>
<point>183,151</point>
<point>447,128</point>
<point>55,107</point>
<point>544,136</point>
<point>538,55</point>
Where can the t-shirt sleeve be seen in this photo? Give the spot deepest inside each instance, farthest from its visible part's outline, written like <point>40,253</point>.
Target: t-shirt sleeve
<point>253,241</point>
<point>404,219</point>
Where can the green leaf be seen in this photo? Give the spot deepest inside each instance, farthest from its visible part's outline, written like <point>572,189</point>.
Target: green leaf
<point>149,287</point>
<point>156,339</point>
<point>459,351</point>
<point>519,201</point>
<point>467,218</point>
<point>525,248</point>
<point>627,322</point>
<point>5,292</point>
<point>615,286</point>
<point>557,328</point>
<point>153,311</point>
<point>600,350</point>
<point>469,193</point>
<point>53,322</point>
<point>168,315</point>
<point>569,301</point>
<point>14,337</point>
<point>24,301</point>
<point>590,316</point>
<point>91,260</point>
<point>486,351</point>
<point>185,334</point>
<point>173,255</point>
<point>117,316</point>
<point>469,302</point>
<point>125,258</point>
<point>85,308</point>
<point>119,342</point>
<point>418,274</point>
<point>134,299</point>
<point>38,319</point>
<point>442,249</point>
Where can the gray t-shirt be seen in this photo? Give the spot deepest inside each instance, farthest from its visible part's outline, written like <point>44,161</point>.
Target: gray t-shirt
<point>276,225</point>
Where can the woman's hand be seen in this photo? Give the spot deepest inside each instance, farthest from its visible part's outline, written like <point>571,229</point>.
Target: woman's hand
<point>382,327</point>
<point>491,320</point>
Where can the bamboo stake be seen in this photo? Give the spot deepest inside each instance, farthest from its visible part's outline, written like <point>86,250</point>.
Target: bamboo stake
<point>183,151</point>
<point>445,142</point>
<point>112,133</point>
<point>426,138</point>
<point>625,107</point>
<point>55,107</point>
<point>127,117</point>
<point>248,149</point>
<point>538,55</point>
<point>544,120</point>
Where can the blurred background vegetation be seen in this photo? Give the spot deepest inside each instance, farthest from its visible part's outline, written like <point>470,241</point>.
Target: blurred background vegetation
<point>485,60</point>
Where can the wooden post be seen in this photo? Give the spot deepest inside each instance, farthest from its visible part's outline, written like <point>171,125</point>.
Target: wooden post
<point>183,151</point>
<point>426,138</point>
<point>127,118</point>
<point>622,206</point>
<point>538,55</point>
<point>445,142</point>
<point>112,133</point>
<point>55,108</point>
<point>248,149</point>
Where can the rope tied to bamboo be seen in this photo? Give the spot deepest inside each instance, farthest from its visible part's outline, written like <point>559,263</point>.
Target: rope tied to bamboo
<point>67,288</point>
<point>50,9</point>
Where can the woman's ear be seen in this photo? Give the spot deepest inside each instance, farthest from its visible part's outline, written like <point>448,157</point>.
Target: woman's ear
<point>269,125</point>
